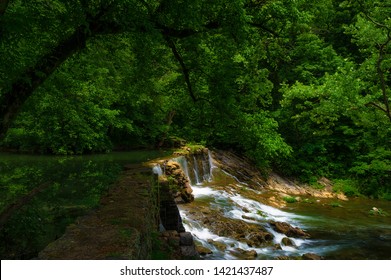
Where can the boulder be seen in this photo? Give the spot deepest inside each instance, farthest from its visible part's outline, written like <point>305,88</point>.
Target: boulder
<point>288,230</point>
<point>203,251</point>
<point>257,239</point>
<point>277,247</point>
<point>177,182</point>
<point>219,245</point>
<point>186,239</point>
<point>189,252</point>
<point>245,254</point>
<point>288,242</point>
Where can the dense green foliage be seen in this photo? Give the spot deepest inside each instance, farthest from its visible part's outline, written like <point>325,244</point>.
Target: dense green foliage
<point>302,86</point>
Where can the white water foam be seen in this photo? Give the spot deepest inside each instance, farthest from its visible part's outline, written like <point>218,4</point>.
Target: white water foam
<point>205,191</point>
<point>260,211</point>
<point>157,169</point>
<point>235,206</point>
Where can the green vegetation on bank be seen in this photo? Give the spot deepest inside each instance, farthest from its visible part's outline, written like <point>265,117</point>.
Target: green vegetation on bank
<point>299,86</point>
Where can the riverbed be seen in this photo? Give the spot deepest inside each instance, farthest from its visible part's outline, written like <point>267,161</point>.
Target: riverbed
<point>338,229</point>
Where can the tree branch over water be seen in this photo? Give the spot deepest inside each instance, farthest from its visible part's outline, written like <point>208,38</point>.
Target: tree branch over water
<point>21,89</point>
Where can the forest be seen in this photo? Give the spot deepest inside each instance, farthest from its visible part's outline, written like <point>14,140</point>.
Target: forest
<point>300,87</point>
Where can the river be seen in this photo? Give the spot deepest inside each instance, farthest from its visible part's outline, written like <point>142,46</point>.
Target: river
<point>226,217</point>
<point>338,229</point>
<point>40,195</point>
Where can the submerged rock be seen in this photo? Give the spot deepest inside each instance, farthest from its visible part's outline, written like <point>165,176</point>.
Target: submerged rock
<point>288,242</point>
<point>289,230</point>
<point>257,239</point>
<point>283,258</point>
<point>245,254</point>
<point>252,234</point>
<point>219,245</point>
<point>203,250</point>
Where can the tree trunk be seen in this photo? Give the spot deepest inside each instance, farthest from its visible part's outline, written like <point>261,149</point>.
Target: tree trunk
<point>13,99</point>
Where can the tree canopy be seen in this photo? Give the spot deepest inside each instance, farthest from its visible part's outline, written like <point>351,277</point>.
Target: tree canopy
<point>300,86</point>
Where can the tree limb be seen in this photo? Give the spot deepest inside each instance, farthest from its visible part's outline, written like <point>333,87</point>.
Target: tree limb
<point>185,70</point>
<point>261,26</point>
<point>376,106</point>
<point>12,100</point>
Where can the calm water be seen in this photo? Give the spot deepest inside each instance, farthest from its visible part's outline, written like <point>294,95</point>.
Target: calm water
<point>349,231</point>
<point>71,186</point>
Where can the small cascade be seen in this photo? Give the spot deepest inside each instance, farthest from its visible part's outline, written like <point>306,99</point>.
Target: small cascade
<point>157,170</point>
<point>230,219</point>
<point>198,168</point>
<point>196,171</point>
<point>183,163</point>
<point>211,165</point>
<point>229,210</point>
<point>206,171</point>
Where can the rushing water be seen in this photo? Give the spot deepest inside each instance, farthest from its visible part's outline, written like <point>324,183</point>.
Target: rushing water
<point>339,230</point>
<point>75,185</point>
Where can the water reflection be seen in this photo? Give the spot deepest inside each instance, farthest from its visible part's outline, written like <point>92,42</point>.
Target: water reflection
<point>59,189</point>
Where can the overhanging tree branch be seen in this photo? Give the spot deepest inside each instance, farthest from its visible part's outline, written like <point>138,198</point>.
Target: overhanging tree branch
<point>376,106</point>
<point>185,70</point>
<point>264,28</point>
<point>12,100</point>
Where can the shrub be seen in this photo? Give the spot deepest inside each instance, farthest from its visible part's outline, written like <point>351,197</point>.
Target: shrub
<point>347,186</point>
<point>289,199</point>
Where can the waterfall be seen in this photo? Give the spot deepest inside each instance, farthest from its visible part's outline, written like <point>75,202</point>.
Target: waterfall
<point>228,194</point>
<point>198,168</point>
<point>183,163</point>
<point>211,166</point>
<point>157,169</point>
<point>196,171</point>
<point>232,219</point>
